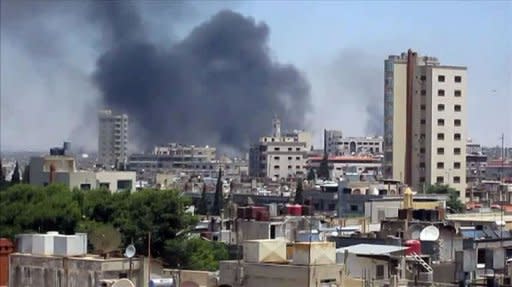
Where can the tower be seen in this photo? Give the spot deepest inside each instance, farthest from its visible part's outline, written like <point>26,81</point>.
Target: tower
<point>424,122</point>
<point>276,127</point>
<point>112,138</point>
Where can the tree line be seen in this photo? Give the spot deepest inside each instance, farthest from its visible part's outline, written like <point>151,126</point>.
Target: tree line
<point>26,208</point>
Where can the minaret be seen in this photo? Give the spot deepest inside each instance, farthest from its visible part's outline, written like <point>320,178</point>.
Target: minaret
<point>276,127</point>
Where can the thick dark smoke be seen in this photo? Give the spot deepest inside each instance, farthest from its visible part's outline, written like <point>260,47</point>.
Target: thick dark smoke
<point>219,85</point>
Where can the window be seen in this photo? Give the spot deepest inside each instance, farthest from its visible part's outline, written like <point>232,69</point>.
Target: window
<point>422,164</point>
<point>277,149</point>
<point>289,167</point>
<point>276,158</point>
<point>440,165</point>
<point>297,158</point>
<point>457,137</point>
<point>289,149</point>
<point>440,93</point>
<point>353,208</point>
<point>440,107</point>
<point>456,151</point>
<point>457,93</point>
<point>276,167</point>
<point>457,108</point>
<point>439,179</point>
<point>440,122</point>
<point>440,150</point>
<point>289,158</point>
<point>456,165</point>
<point>85,186</point>
<point>298,149</point>
<point>458,79</point>
<point>423,92</point>
<point>423,77</point>
<point>440,78</point>
<point>379,273</point>
<point>297,167</point>
<point>440,136</point>
<point>423,107</point>
<point>423,121</point>
<point>422,150</point>
<point>456,179</point>
<point>457,123</point>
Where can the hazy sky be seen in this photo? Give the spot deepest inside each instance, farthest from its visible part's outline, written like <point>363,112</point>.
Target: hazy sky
<point>340,47</point>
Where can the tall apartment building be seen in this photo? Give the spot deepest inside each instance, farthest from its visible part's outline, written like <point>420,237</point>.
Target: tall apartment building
<point>424,122</point>
<point>280,157</point>
<point>331,137</point>
<point>112,139</point>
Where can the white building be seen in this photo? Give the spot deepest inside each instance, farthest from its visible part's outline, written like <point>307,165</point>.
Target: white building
<point>112,139</point>
<point>424,122</point>
<point>62,169</point>
<point>280,157</point>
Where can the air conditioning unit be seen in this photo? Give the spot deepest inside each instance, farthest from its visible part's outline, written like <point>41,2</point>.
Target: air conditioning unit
<point>116,283</point>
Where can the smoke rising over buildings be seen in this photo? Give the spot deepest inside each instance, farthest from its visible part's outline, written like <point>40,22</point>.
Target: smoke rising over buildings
<point>215,83</point>
<point>218,85</point>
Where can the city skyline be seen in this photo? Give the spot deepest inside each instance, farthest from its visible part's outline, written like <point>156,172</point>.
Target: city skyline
<point>352,95</point>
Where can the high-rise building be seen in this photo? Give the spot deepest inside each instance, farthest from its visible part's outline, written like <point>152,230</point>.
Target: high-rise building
<point>424,122</point>
<point>112,139</point>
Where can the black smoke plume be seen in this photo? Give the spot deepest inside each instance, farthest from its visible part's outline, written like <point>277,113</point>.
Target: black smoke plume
<point>219,85</point>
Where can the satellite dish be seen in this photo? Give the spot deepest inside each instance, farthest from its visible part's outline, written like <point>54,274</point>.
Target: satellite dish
<point>129,251</point>
<point>123,283</point>
<point>429,233</point>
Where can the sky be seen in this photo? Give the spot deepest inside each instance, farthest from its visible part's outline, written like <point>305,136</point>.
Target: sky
<point>339,47</point>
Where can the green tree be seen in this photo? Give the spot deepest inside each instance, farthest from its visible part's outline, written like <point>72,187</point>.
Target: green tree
<point>311,175</point>
<point>26,208</point>
<point>161,212</point>
<point>453,201</point>
<point>26,174</point>
<point>195,253</point>
<point>15,179</point>
<point>299,196</point>
<point>323,170</point>
<point>218,201</point>
<point>202,205</point>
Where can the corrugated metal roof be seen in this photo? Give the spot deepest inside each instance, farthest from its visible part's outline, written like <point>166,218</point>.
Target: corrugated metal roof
<point>371,249</point>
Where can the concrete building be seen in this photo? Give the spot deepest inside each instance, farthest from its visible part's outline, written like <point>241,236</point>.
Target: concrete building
<point>331,137</point>
<point>183,153</point>
<point>476,163</point>
<point>265,263</point>
<point>61,260</point>
<point>337,145</point>
<point>425,122</point>
<point>341,165</point>
<point>112,139</point>
<point>280,157</point>
<point>62,169</point>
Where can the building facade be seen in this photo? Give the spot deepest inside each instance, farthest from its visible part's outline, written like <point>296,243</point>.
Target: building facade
<point>112,139</point>
<point>424,122</point>
<point>355,145</point>
<point>280,157</point>
<point>45,170</point>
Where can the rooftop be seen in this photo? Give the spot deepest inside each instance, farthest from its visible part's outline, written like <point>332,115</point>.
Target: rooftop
<point>371,249</point>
